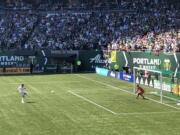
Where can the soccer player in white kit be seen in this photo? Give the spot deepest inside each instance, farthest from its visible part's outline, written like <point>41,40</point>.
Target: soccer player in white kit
<point>22,91</point>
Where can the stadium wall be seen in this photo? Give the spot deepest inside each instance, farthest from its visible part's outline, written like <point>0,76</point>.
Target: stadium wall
<point>88,60</point>
<point>12,62</point>
<point>120,75</point>
<point>162,61</point>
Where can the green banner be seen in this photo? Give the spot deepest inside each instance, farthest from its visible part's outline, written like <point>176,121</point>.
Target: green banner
<point>91,59</point>
<point>167,62</point>
<point>13,59</point>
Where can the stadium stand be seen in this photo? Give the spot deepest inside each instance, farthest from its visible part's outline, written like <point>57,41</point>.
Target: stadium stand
<point>149,25</point>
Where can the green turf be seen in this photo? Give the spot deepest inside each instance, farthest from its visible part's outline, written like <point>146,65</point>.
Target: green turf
<point>83,104</point>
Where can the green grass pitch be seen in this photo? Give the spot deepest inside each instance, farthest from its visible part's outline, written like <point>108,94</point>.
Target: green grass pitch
<point>81,104</point>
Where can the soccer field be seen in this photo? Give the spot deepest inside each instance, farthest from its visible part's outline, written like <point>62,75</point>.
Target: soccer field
<point>81,104</point>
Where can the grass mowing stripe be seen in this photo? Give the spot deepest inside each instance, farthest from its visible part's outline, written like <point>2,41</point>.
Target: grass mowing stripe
<point>45,82</point>
<point>92,102</point>
<point>117,88</point>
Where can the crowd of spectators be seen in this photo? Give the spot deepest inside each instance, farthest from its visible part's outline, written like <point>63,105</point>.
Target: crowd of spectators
<point>140,5</point>
<point>153,25</point>
<point>58,4</point>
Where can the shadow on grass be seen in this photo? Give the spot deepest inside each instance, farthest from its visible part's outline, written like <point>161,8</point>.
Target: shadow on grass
<point>30,102</point>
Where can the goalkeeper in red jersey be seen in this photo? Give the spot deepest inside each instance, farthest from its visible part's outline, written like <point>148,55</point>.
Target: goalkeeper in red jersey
<point>140,92</point>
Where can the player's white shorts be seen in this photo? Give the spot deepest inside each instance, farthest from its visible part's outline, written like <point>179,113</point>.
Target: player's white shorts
<point>23,94</point>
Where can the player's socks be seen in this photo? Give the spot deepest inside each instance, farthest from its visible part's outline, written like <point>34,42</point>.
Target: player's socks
<point>22,101</point>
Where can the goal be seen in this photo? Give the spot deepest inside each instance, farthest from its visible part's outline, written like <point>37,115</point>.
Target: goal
<point>161,85</point>
<point>152,80</point>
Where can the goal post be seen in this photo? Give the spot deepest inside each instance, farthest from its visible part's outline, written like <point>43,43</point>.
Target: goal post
<point>139,74</point>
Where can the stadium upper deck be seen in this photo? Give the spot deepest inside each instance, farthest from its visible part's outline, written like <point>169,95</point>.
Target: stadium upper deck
<point>153,25</point>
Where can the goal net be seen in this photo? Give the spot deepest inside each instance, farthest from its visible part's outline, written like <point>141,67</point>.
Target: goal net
<point>159,85</point>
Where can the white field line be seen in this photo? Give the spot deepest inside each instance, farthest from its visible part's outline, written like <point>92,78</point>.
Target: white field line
<point>92,102</point>
<point>44,82</point>
<point>117,88</point>
<point>124,114</point>
<point>147,113</point>
<point>34,88</point>
<point>168,97</point>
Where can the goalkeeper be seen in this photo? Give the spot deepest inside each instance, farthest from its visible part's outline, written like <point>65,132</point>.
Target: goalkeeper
<point>140,92</point>
<point>23,92</point>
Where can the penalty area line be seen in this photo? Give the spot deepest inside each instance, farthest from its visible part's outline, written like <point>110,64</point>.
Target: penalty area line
<point>100,106</point>
<point>146,113</point>
<point>117,88</point>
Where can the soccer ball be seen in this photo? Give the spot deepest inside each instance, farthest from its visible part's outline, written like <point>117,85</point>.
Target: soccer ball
<point>52,91</point>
